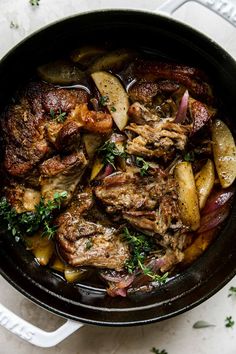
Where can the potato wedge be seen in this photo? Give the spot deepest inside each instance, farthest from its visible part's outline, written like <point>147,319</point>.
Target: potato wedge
<point>112,60</point>
<point>73,274</point>
<point>58,265</point>
<point>187,195</point>
<point>92,143</point>
<point>97,167</point>
<point>224,151</point>
<point>117,99</point>
<point>87,54</point>
<point>199,245</point>
<point>205,182</point>
<point>41,247</point>
<point>60,72</point>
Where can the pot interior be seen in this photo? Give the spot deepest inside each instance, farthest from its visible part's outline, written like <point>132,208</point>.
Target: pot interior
<point>167,39</point>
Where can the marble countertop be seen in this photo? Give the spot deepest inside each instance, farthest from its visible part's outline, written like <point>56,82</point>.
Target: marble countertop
<point>17,19</point>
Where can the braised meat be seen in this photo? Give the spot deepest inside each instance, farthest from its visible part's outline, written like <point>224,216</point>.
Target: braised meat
<point>160,140</point>
<point>24,124</point>
<point>60,174</point>
<point>148,203</point>
<point>24,139</point>
<point>118,171</point>
<point>83,242</point>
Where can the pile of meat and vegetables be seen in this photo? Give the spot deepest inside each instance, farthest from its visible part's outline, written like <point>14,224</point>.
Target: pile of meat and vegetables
<point>116,165</point>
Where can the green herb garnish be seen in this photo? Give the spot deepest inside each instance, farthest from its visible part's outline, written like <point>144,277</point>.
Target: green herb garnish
<point>232,291</point>
<point>59,117</point>
<point>103,101</point>
<point>113,109</point>
<point>189,156</point>
<point>229,323</point>
<point>157,351</point>
<point>143,165</point>
<point>34,2</point>
<point>140,246</point>
<point>27,223</point>
<point>202,324</point>
<point>110,152</point>
<point>14,25</point>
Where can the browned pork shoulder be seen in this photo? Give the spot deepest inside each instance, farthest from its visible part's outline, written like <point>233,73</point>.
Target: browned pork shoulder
<point>149,203</point>
<point>160,140</point>
<point>85,239</point>
<point>144,92</point>
<point>24,124</point>
<point>192,78</point>
<point>60,174</point>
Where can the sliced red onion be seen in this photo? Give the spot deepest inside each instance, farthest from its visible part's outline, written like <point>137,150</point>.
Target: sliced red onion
<point>217,199</point>
<point>183,107</point>
<point>215,218</point>
<point>154,265</point>
<point>117,282</point>
<point>117,138</point>
<point>108,171</point>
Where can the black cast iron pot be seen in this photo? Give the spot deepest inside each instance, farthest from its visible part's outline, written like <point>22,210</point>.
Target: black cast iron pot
<point>154,33</point>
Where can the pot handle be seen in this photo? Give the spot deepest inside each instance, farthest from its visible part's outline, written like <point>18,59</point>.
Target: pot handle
<point>224,8</point>
<point>33,334</point>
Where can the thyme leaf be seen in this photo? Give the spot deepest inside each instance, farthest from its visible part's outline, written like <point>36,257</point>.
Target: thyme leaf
<point>189,156</point>
<point>27,223</point>
<point>232,291</point>
<point>110,152</point>
<point>59,117</point>
<point>143,165</point>
<point>158,351</point>
<point>140,246</point>
<point>34,2</point>
<point>103,101</point>
<point>229,323</point>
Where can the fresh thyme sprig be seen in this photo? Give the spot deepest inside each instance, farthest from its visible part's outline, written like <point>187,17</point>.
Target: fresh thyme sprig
<point>143,165</point>
<point>110,152</point>
<point>157,351</point>
<point>27,223</point>
<point>34,2</point>
<point>229,323</point>
<point>59,117</point>
<point>140,246</point>
<point>103,101</point>
<point>232,291</point>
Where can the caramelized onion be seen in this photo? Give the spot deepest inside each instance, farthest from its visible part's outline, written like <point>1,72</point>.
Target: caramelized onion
<point>214,219</point>
<point>183,107</point>
<point>218,199</point>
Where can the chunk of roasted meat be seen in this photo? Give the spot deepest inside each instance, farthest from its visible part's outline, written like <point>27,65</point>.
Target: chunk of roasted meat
<point>144,92</point>
<point>24,124</point>
<point>148,203</point>
<point>21,198</point>
<point>60,174</point>
<point>160,140</point>
<point>192,78</point>
<point>25,142</point>
<point>86,242</point>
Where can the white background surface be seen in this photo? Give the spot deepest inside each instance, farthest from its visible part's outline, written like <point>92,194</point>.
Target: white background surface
<point>175,335</point>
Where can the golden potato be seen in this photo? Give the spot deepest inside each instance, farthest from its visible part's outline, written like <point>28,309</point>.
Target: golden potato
<point>187,195</point>
<point>224,151</point>
<point>205,182</point>
<point>117,100</point>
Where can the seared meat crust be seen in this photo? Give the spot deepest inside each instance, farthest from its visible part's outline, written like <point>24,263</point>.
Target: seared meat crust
<point>24,138</point>
<point>89,243</point>
<point>60,174</point>
<point>160,140</point>
<point>24,124</point>
<point>148,203</point>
